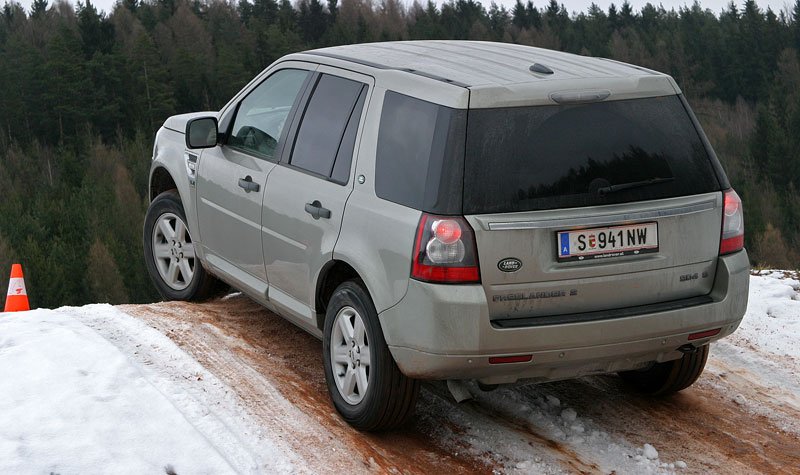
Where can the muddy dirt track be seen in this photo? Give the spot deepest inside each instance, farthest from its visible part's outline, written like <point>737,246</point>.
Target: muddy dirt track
<point>252,350</point>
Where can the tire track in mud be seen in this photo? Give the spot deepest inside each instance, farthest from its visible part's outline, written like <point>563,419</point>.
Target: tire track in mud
<point>701,426</point>
<point>251,349</point>
<point>558,451</point>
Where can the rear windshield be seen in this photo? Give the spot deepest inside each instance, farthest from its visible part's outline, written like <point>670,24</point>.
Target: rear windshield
<point>547,157</point>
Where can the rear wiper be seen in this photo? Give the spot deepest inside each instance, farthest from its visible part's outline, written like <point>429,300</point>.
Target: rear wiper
<point>634,184</point>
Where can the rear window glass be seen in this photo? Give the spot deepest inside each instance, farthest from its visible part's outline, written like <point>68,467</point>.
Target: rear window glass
<point>324,122</point>
<point>341,167</point>
<point>420,156</point>
<point>546,157</point>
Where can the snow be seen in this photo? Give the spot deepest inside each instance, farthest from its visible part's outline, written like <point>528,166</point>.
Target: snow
<point>89,387</point>
<point>765,349</point>
<point>73,402</point>
<point>649,452</point>
<point>547,416</point>
<point>569,415</point>
<point>772,323</point>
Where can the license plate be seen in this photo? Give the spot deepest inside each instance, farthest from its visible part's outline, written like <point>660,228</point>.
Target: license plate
<point>606,242</point>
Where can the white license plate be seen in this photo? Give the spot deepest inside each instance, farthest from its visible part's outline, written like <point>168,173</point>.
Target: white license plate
<point>611,241</point>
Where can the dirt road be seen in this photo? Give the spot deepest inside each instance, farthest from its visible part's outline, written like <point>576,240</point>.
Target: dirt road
<point>730,422</point>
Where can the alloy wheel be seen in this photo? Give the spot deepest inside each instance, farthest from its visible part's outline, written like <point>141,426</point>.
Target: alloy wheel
<point>350,355</point>
<point>173,251</point>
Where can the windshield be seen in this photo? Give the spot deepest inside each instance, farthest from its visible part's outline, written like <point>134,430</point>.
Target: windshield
<point>547,157</point>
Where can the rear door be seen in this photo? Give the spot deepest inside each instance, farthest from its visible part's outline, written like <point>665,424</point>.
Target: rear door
<point>591,208</point>
<point>307,191</point>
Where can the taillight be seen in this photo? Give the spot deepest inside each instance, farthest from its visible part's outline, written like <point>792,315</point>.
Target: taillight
<point>732,237</point>
<point>444,251</point>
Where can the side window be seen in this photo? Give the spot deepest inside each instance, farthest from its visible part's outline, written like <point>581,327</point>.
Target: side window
<point>326,136</point>
<point>341,167</point>
<point>420,155</point>
<point>262,115</point>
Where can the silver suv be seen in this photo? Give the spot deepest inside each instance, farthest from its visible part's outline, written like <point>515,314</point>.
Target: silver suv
<point>457,210</point>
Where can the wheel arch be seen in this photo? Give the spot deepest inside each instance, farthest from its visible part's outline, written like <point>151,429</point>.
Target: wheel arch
<point>160,181</point>
<point>332,274</point>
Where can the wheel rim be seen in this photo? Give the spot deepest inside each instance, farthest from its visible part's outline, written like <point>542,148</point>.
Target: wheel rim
<point>350,355</point>
<point>173,251</point>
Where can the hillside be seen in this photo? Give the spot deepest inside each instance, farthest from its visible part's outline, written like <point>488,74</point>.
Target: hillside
<point>228,387</point>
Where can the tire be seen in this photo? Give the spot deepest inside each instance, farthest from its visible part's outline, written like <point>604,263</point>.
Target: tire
<point>671,376</point>
<point>390,397</point>
<point>190,281</point>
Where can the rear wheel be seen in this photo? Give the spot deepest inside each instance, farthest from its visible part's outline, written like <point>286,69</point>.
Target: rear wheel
<point>671,376</point>
<point>170,254</point>
<point>364,382</point>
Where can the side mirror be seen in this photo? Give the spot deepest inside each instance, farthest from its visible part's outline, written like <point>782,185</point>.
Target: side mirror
<point>202,132</point>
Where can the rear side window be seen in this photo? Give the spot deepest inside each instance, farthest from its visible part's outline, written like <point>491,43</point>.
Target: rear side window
<point>420,155</point>
<point>324,126</point>
<point>341,167</point>
<point>548,157</point>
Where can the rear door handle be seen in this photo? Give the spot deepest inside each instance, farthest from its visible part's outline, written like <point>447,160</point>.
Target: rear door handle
<point>248,185</point>
<point>316,210</point>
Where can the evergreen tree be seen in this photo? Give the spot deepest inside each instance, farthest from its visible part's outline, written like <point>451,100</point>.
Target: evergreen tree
<point>7,257</point>
<point>312,20</point>
<point>38,8</point>
<point>105,281</point>
<point>519,17</point>
<point>287,16</point>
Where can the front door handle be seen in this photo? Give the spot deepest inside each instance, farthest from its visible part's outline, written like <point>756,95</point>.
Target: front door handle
<point>248,185</point>
<point>316,210</point>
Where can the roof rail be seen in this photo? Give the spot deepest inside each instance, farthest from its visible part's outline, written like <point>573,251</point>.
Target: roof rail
<point>384,67</point>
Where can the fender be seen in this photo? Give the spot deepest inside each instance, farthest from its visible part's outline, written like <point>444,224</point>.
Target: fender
<point>170,156</point>
<point>385,269</point>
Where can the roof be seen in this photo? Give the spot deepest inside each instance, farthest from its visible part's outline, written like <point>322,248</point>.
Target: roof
<point>487,74</point>
<point>480,63</point>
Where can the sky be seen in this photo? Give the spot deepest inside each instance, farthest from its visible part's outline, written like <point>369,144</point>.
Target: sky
<point>571,5</point>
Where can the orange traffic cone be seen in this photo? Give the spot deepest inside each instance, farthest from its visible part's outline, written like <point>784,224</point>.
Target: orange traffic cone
<point>17,298</point>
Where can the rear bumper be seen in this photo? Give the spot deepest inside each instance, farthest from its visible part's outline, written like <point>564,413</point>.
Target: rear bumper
<point>444,332</point>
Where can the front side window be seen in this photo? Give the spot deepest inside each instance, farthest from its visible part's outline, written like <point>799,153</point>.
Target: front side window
<point>262,115</point>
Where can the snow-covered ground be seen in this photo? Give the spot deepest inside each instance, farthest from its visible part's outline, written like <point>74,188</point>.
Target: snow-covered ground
<point>93,389</point>
<point>765,349</point>
<point>772,324</point>
<point>72,402</point>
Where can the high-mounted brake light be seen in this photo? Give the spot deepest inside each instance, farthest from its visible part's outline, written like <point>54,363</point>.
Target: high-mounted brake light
<point>732,236</point>
<point>444,251</point>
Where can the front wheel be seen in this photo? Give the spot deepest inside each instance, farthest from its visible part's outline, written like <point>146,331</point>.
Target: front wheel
<point>671,376</point>
<point>169,252</point>
<point>365,384</point>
